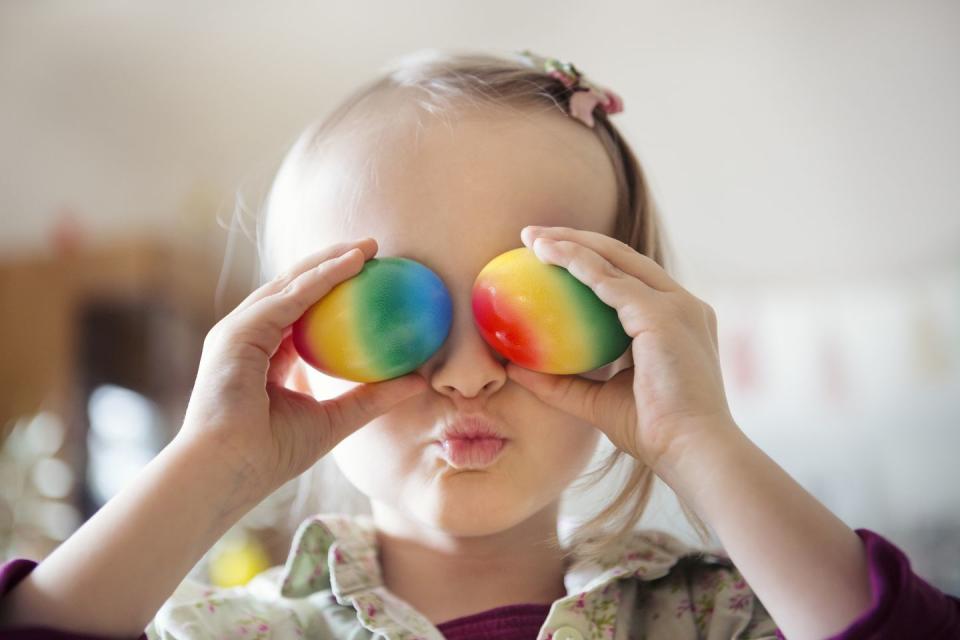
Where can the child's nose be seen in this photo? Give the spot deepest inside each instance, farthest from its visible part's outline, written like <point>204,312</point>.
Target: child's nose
<point>465,365</point>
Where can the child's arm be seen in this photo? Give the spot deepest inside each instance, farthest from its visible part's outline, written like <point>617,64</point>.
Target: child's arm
<point>111,576</point>
<point>670,412</point>
<point>244,435</point>
<point>807,567</point>
<point>797,556</point>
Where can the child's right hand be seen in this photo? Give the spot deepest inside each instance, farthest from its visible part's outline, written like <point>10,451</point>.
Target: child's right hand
<point>244,435</point>
<point>240,413</point>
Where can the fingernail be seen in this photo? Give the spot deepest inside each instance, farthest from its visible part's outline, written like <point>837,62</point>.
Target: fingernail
<point>530,231</point>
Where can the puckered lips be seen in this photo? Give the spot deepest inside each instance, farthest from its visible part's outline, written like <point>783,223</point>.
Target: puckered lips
<point>472,441</point>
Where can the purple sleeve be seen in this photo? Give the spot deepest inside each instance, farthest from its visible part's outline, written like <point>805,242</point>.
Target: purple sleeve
<point>903,605</point>
<point>11,574</point>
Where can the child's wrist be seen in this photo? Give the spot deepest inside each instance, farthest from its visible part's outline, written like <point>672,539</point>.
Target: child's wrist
<point>700,449</point>
<point>241,486</point>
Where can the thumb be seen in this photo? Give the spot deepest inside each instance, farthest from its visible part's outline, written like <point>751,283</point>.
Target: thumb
<point>364,402</point>
<point>574,395</point>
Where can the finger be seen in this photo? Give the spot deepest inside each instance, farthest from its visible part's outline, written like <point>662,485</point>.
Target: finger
<point>354,408</point>
<point>367,245</point>
<point>712,324</point>
<point>632,299</point>
<point>282,361</point>
<point>267,321</point>
<point>566,392</point>
<point>599,403</point>
<point>607,371</point>
<point>618,253</point>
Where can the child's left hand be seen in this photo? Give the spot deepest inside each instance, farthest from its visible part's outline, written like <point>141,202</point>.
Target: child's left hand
<point>677,387</point>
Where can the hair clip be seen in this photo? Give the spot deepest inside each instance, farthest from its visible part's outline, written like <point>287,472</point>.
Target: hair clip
<point>586,95</point>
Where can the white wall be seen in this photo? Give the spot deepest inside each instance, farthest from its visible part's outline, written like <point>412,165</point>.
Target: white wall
<point>787,141</point>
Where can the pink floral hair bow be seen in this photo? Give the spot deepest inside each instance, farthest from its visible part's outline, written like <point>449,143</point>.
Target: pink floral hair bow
<point>586,95</point>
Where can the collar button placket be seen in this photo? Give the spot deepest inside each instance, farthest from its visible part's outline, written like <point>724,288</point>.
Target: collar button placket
<point>566,633</point>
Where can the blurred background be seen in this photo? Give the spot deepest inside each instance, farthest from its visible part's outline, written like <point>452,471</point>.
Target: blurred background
<point>805,155</point>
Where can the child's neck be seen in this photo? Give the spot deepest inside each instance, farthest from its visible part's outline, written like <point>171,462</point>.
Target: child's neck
<point>446,577</point>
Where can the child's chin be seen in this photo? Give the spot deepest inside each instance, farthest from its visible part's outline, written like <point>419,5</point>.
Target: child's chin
<point>463,511</point>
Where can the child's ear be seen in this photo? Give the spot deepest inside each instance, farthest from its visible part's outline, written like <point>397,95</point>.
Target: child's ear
<point>297,378</point>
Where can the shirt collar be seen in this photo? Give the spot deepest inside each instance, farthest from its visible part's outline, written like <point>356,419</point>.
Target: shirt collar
<point>339,552</point>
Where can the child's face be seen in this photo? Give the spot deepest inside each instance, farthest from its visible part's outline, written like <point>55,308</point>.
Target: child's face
<point>453,202</point>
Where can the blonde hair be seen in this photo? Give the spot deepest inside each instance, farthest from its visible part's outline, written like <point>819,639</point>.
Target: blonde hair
<point>440,83</point>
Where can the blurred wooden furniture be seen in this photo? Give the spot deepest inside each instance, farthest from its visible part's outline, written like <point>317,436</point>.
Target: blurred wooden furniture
<point>154,300</point>
<point>132,314</point>
<point>43,301</point>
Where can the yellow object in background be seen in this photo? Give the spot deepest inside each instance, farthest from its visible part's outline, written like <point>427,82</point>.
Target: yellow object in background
<point>236,560</point>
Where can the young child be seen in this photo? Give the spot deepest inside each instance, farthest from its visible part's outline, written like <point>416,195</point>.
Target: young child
<point>451,160</point>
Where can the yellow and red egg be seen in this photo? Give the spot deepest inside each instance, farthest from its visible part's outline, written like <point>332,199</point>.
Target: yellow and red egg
<point>541,317</point>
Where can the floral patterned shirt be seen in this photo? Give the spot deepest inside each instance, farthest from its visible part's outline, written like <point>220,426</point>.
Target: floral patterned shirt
<point>653,586</point>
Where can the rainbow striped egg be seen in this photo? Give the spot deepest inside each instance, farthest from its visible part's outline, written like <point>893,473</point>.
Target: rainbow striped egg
<point>382,323</point>
<point>541,317</point>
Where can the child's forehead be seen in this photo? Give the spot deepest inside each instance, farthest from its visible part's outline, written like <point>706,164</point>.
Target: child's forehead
<point>476,178</point>
<point>458,247</point>
<point>455,194</point>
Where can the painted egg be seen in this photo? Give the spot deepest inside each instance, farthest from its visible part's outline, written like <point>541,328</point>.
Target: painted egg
<point>382,323</point>
<point>541,317</point>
